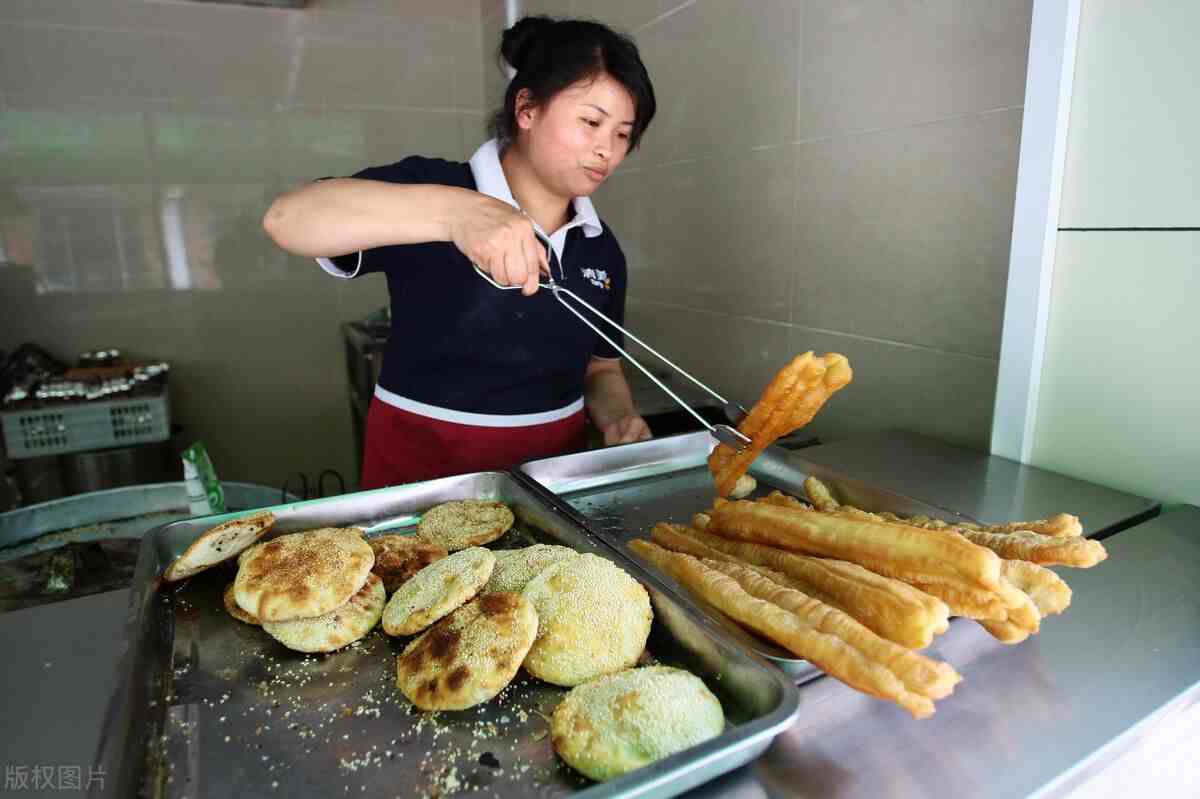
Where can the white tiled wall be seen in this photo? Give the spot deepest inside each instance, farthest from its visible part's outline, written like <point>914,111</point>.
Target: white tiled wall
<point>1118,401</point>
<point>1132,158</point>
<point>828,175</point>
<point>1120,386</point>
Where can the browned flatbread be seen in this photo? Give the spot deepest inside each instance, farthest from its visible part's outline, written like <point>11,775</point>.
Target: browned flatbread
<point>469,656</point>
<point>465,523</point>
<point>302,575</point>
<point>437,590</point>
<point>219,544</point>
<point>516,567</point>
<point>399,557</point>
<point>338,628</point>
<point>593,619</point>
<point>231,607</point>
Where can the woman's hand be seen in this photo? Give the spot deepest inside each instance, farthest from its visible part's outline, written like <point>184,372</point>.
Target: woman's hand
<point>500,239</point>
<point>626,430</point>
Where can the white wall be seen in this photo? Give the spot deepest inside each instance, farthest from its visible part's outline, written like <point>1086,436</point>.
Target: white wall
<point>1120,387</point>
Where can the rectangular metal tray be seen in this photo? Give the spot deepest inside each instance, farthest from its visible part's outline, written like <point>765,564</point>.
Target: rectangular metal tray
<point>210,707</point>
<point>620,493</point>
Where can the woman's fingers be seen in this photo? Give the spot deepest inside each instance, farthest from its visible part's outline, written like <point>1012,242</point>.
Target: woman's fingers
<point>627,430</point>
<point>543,259</point>
<point>529,248</point>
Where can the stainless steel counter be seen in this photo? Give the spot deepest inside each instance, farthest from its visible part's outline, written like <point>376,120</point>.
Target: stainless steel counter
<point>1035,719</point>
<point>984,486</point>
<point>59,669</point>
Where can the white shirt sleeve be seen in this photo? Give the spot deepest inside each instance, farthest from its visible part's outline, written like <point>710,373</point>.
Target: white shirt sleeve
<point>333,269</point>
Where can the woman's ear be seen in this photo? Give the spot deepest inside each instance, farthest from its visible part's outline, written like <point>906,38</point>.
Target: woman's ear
<point>525,109</point>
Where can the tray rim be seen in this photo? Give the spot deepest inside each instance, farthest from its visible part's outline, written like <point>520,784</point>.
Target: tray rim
<point>676,773</point>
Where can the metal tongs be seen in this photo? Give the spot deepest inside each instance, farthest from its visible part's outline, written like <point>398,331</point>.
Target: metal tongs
<point>723,433</point>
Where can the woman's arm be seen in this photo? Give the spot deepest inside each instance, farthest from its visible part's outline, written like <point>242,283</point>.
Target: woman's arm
<point>344,215</point>
<point>610,403</point>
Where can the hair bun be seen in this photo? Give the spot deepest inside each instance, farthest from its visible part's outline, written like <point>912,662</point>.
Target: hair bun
<point>520,39</point>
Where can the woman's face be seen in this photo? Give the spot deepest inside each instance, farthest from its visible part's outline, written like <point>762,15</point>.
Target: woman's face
<point>575,141</point>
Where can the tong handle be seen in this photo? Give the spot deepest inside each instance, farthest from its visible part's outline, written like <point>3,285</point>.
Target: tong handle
<point>723,433</point>
<point>545,284</point>
<point>733,412</point>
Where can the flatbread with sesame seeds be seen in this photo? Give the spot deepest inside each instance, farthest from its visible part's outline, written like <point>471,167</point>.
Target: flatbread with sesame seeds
<point>437,590</point>
<point>615,724</point>
<point>469,656</point>
<point>336,629</point>
<point>399,557</point>
<point>465,523</point>
<point>593,619</point>
<point>220,544</point>
<point>231,607</point>
<point>516,567</point>
<point>302,575</point>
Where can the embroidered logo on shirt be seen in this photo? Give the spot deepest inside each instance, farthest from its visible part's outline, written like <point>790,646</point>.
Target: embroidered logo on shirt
<point>598,278</point>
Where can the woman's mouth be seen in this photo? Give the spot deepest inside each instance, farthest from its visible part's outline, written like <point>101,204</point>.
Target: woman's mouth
<point>597,175</point>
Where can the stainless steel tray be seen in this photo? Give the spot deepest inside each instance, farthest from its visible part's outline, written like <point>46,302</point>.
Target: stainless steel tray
<point>620,493</point>
<point>210,707</point>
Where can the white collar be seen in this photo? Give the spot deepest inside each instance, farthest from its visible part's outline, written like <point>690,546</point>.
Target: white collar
<point>490,180</point>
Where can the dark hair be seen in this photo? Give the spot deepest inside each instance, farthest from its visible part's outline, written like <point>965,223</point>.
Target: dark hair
<point>549,55</point>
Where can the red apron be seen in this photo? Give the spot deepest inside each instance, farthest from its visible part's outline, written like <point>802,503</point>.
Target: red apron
<point>404,447</point>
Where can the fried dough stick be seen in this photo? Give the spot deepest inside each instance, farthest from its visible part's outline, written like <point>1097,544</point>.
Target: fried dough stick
<point>1022,619</point>
<point>890,608</point>
<point>789,402</point>
<point>1010,614</point>
<point>1062,525</point>
<point>961,596</point>
<point>895,550</point>
<point>801,635</point>
<point>1080,553</point>
<point>1048,591</point>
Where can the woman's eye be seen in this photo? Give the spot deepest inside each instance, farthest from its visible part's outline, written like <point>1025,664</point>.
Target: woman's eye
<point>624,136</point>
<point>593,122</point>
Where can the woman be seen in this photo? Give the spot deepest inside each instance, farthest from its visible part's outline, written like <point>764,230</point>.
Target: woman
<point>477,378</point>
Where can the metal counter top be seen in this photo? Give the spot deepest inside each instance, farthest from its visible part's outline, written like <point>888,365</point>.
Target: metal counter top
<point>59,669</point>
<point>987,487</point>
<point>1037,719</point>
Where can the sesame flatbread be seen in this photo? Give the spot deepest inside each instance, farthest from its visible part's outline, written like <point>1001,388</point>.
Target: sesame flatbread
<point>220,544</point>
<point>469,656</point>
<point>399,557</point>
<point>516,567</point>
<point>615,724</point>
<point>593,619</point>
<point>465,523</point>
<point>336,629</point>
<point>302,575</point>
<point>231,607</point>
<point>437,590</point>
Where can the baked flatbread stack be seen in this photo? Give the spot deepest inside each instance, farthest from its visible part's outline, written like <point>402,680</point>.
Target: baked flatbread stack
<point>232,608</point>
<point>220,544</point>
<point>333,630</point>
<point>312,591</point>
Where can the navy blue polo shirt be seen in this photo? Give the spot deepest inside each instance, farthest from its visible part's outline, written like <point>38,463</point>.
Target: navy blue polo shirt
<point>462,350</point>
